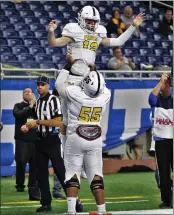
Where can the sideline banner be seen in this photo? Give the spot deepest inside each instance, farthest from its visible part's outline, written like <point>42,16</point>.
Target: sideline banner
<point>126,116</point>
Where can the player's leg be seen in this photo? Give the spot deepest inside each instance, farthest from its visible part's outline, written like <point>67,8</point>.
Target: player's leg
<point>94,165</point>
<point>73,159</point>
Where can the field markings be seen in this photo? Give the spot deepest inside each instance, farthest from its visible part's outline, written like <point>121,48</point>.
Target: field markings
<point>86,203</point>
<point>83,200</point>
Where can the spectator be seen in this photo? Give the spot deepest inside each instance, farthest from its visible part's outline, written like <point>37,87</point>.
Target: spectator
<point>24,145</point>
<point>119,62</point>
<point>116,25</point>
<point>161,102</point>
<point>166,25</point>
<point>128,17</point>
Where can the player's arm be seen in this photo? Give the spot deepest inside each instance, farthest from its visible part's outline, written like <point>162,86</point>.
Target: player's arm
<point>52,40</point>
<point>61,83</point>
<point>126,35</point>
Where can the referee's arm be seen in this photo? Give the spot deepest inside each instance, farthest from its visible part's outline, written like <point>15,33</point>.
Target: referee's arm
<point>56,114</point>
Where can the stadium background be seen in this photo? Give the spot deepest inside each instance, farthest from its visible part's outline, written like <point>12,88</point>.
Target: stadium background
<point>23,39</point>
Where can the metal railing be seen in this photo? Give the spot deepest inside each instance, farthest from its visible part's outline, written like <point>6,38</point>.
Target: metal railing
<point>138,74</point>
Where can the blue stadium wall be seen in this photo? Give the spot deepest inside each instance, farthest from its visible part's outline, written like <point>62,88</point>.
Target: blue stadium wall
<point>126,116</point>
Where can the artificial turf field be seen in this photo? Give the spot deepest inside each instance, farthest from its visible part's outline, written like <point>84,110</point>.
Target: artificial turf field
<point>123,192</point>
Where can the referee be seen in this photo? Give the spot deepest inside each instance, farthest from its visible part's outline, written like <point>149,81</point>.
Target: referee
<point>161,102</point>
<point>48,143</point>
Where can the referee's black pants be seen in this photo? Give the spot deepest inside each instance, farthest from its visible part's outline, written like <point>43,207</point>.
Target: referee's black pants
<point>164,157</point>
<point>49,148</point>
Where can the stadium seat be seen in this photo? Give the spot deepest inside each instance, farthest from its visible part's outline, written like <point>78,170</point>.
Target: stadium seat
<point>3,41</point>
<point>37,26</point>
<point>26,34</point>
<point>26,13</point>
<point>100,66</point>
<point>159,37</point>
<point>7,26</point>
<point>40,14</point>
<point>139,59</point>
<point>12,12</point>
<point>2,13</point>
<point>143,37</point>
<point>15,63</point>
<point>5,57</point>
<point>64,7</point>
<point>10,33</point>
<point>36,6</point>
<point>76,8</point>
<point>57,58</point>
<point>21,26</point>
<point>171,52</point>
<point>31,42</point>
<point>166,44</point>
<point>150,30</point>
<point>137,43</point>
<point>1,34</point>
<point>19,50</point>
<point>155,24</point>
<point>154,60</point>
<point>41,34</point>
<point>170,37</point>
<point>68,14</point>
<point>155,10</point>
<point>47,65</point>
<point>4,19</point>
<point>129,52</point>
<point>146,51</point>
<point>31,20</point>
<point>104,59</point>
<point>22,6</point>
<point>44,42</point>
<point>7,5</point>
<point>16,19</point>
<point>25,57</point>
<point>53,50</point>
<point>160,51</point>
<point>30,65</point>
<point>5,49</point>
<point>45,20</point>
<point>167,60</point>
<point>61,65</point>
<point>15,42</point>
<point>40,58</point>
<point>36,50</point>
<point>51,7</point>
<point>152,44</point>
<point>55,15</point>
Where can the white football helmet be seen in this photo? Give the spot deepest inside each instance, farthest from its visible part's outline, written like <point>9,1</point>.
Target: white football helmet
<point>89,19</point>
<point>93,84</point>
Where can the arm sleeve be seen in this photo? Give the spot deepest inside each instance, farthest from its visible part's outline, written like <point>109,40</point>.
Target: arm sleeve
<point>152,100</point>
<point>55,108</point>
<point>18,113</point>
<point>123,37</point>
<point>61,84</point>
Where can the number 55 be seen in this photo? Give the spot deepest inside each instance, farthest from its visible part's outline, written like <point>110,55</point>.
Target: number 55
<point>90,114</point>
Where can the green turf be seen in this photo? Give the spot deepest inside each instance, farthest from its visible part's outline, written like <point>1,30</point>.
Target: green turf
<point>118,187</point>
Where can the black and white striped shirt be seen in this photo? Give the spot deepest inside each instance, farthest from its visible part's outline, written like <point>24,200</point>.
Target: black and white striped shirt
<point>47,107</point>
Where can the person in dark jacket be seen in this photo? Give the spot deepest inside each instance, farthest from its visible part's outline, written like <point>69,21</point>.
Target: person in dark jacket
<point>24,145</point>
<point>166,25</point>
<point>116,25</point>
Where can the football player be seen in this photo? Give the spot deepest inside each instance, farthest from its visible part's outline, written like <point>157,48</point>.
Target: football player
<point>83,39</point>
<point>85,104</point>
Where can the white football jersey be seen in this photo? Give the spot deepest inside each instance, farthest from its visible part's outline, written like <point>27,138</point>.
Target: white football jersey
<point>84,45</point>
<point>83,109</point>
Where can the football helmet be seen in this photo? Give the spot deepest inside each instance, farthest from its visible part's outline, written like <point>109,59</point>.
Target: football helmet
<point>89,19</point>
<point>93,84</point>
